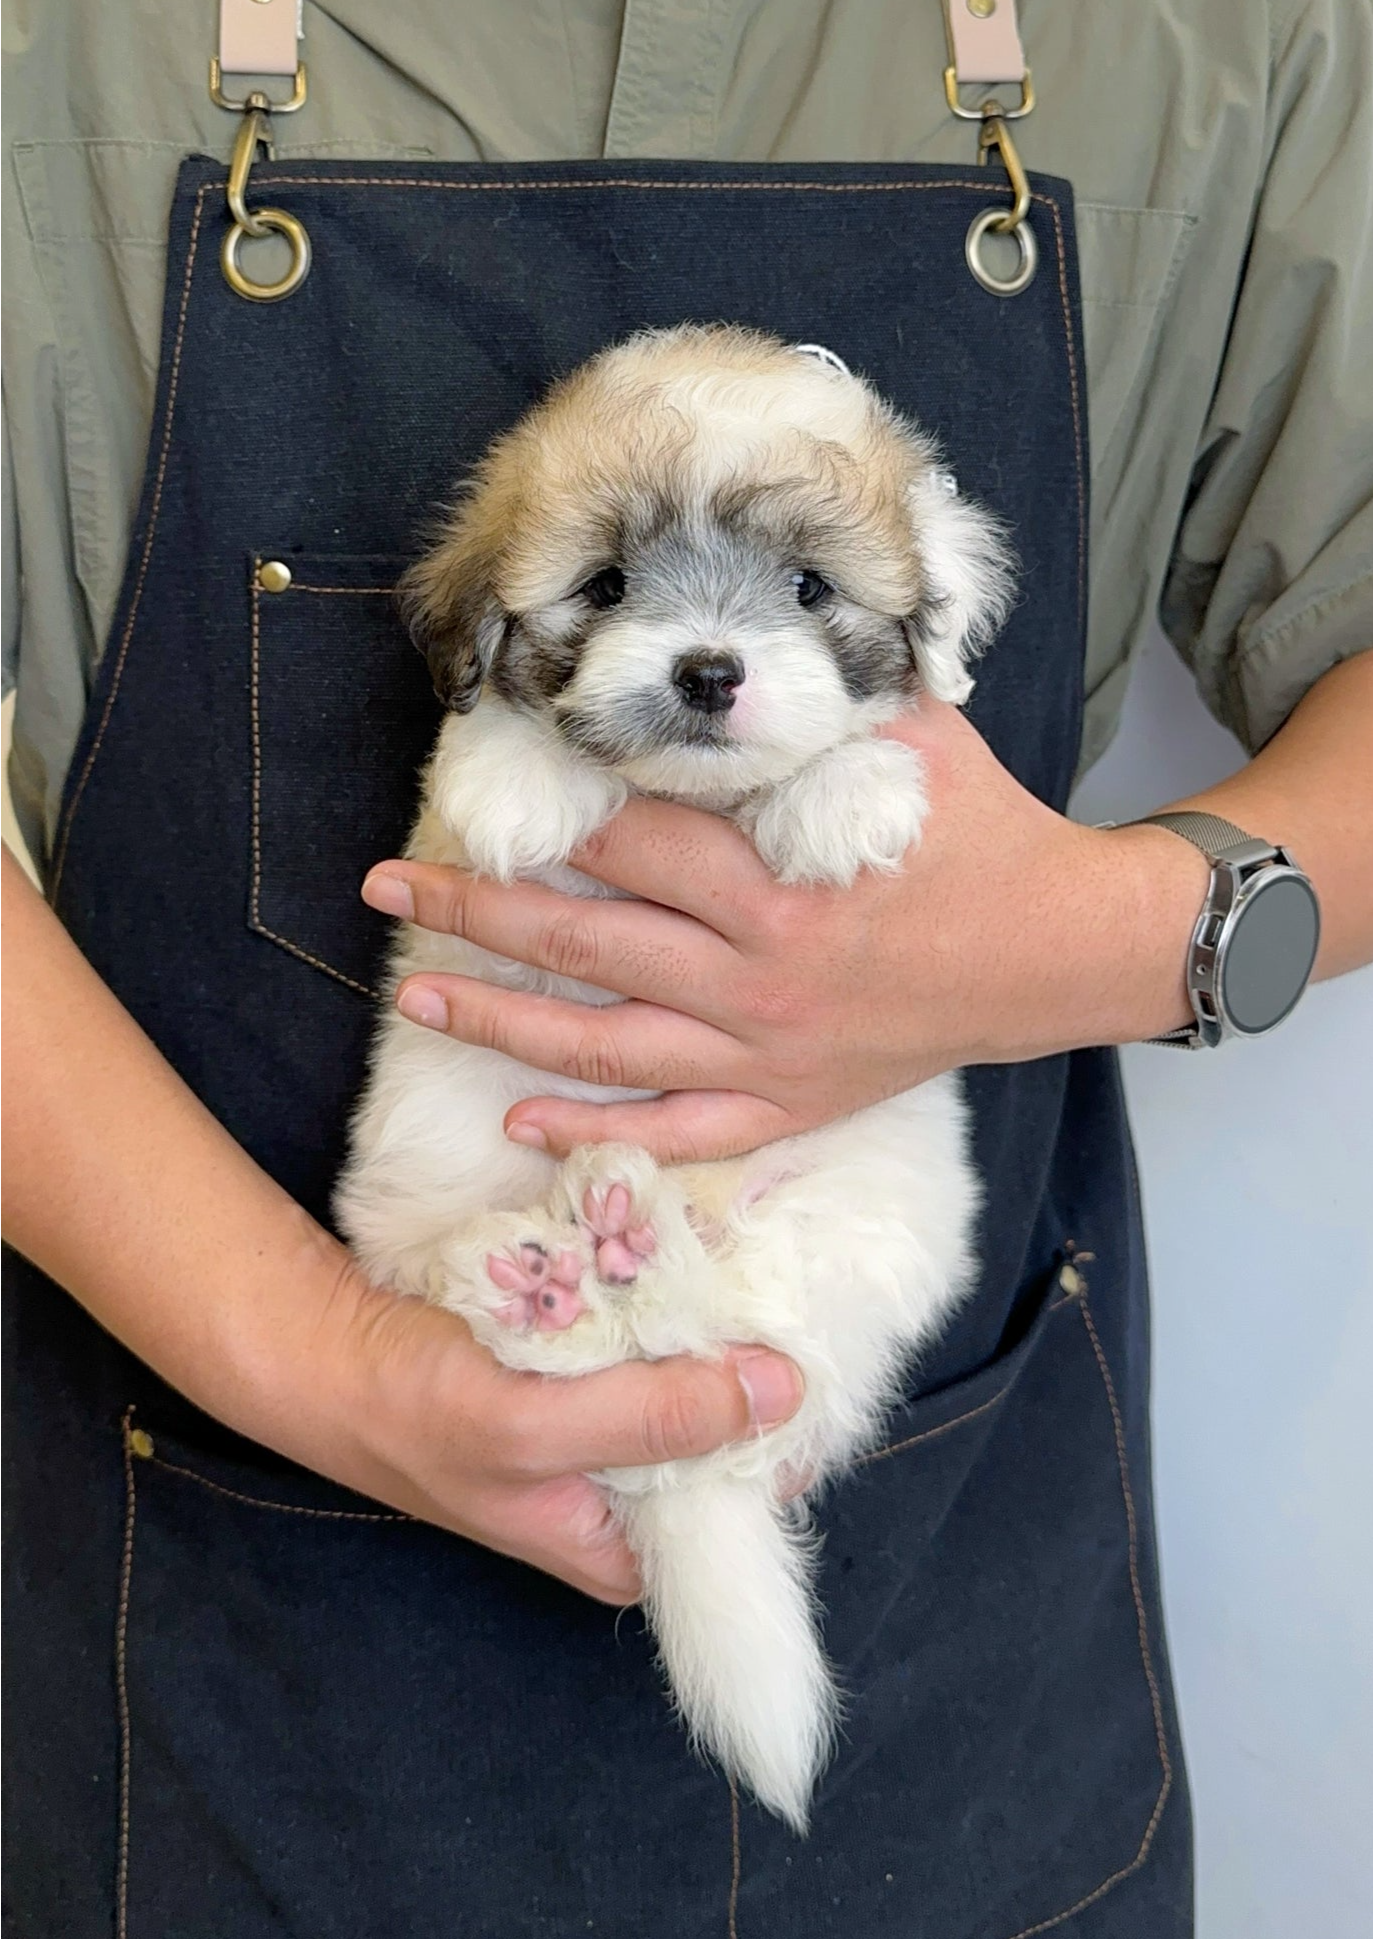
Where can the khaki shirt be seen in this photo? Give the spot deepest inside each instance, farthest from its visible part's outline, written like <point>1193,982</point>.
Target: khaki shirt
<point>1222,155</point>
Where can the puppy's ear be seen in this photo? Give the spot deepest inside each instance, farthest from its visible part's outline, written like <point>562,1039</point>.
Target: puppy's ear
<point>448,601</point>
<point>967,568</point>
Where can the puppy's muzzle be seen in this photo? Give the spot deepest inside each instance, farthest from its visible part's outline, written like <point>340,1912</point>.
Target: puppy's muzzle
<point>708,681</point>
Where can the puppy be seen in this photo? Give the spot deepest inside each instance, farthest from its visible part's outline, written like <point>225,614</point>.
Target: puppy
<point>706,567</point>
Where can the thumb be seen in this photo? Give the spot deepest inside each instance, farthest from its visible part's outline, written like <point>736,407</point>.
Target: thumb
<point>645,1412</point>
<point>679,1128</point>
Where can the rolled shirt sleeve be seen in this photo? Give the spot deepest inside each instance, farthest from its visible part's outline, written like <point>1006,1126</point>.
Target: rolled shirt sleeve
<point>1271,582</point>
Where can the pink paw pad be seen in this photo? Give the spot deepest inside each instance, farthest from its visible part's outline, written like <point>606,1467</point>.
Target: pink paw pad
<point>544,1291</point>
<point>621,1248</point>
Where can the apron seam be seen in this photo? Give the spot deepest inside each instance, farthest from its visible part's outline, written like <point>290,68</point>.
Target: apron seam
<point>1145,1652</point>
<point>1108,1884</point>
<point>905,185</point>
<point>946,1427</point>
<point>933,1433</point>
<point>255,921</point>
<point>736,1861</point>
<point>144,562</point>
<point>261,1501</point>
<point>121,1686</point>
<point>1060,251</point>
<point>298,585</point>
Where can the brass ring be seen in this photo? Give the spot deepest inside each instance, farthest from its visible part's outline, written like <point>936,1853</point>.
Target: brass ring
<point>285,225</point>
<point>1025,242</point>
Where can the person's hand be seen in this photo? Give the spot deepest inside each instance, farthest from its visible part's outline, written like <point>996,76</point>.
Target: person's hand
<point>412,1411</point>
<point>179,1245</point>
<point>761,1010</point>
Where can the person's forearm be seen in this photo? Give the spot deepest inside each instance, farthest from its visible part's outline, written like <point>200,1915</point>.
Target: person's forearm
<point>123,1188</point>
<point>1010,933</point>
<point>1311,789</point>
<point>1140,889</point>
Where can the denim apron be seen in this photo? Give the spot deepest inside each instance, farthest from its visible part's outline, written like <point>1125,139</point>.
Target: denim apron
<point>246,1702</point>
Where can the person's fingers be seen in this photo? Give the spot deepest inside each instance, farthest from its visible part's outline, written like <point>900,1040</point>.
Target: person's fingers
<point>565,1527</point>
<point>683,859</point>
<point>635,948</point>
<point>645,1412</point>
<point>623,1046</point>
<point>685,1127</point>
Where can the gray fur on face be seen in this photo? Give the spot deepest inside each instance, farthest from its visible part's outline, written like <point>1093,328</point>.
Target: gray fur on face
<point>723,576</point>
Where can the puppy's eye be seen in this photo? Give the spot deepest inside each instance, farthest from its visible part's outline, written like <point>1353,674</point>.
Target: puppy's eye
<point>810,587</point>
<point>605,588</point>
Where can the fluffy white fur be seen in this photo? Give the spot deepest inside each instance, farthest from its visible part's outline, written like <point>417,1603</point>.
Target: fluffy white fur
<point>845,1248</point>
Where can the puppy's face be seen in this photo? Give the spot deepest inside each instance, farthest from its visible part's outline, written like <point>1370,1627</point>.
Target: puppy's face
<point>706,558</point>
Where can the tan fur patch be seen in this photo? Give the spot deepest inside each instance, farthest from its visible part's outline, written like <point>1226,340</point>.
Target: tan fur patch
<point>685,415</point>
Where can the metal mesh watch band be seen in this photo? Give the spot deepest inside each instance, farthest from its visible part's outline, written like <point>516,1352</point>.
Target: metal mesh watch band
<point>1207,832</point>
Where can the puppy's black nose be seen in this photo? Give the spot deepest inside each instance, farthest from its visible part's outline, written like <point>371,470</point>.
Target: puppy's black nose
<point>708,681</point>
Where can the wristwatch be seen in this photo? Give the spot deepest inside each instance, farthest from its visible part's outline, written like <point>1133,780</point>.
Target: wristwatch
<point>1255,941</point>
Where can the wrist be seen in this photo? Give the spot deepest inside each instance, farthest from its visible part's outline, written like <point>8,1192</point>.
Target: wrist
<point>1153,887</point>
<point>287,1363</point>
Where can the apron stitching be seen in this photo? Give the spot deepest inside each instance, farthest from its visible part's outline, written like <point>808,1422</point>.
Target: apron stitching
<point>1078,1299</point>
<point>143,563</point>
<point>255,921</point>
<point>931,1433</point>
<point>121,1685</point>
<point>1077,420</point>
<point>733,1930</point>
<point>1146,1655</point>
<point>626,182</point>
<point>279,1507</point>
<point>945,1427</point>
<point>296,585</point>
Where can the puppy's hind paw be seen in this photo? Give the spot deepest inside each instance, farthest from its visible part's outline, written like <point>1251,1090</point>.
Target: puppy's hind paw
<point>525,1284</point>
<point>544,1289</point>
<point>622,1244</point>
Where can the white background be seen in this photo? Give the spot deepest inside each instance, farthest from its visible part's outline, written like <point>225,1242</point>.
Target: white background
<point>1257,1165</point>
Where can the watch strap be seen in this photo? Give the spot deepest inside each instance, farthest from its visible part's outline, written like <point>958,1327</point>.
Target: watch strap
<point>1214,837</point>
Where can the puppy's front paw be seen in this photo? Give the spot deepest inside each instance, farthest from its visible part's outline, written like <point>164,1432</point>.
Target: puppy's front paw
<point>514,796</point>
<point>860,805</point>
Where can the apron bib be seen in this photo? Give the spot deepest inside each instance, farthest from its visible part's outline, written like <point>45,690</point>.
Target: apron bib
<point>254,1704</point>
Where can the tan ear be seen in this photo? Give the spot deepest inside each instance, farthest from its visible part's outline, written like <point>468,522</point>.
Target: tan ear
<point>448,602</point>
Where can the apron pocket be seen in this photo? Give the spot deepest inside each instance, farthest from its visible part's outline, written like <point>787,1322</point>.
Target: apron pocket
<point>343,716</point>
<point>992,1613</point>
<point>335,1721</point>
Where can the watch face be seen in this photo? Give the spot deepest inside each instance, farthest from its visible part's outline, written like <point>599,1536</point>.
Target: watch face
<point>1269,952</point>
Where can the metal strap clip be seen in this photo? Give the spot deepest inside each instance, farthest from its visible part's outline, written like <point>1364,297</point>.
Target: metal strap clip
<point>258,37</point>
<point>985,50</point>
<point>254,132</point>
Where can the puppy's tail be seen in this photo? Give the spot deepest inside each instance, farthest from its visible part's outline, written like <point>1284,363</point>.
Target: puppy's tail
<point>727,1581</point>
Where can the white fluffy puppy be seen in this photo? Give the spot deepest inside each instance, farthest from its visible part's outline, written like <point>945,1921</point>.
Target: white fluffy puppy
<point>706,567</point>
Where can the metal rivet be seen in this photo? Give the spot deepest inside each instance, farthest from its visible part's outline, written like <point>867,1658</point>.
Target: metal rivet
<point>141,1444</point>
<point>273,576</point>
<point>982,9</point>
<point>1070,1279</point>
